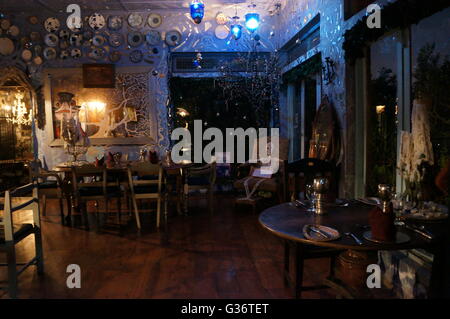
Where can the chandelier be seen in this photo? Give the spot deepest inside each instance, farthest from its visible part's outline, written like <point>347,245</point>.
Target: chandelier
<point>19,111</point>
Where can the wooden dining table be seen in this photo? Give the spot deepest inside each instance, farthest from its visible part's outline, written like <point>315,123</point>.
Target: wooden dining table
<point>172,170</point>
<point>350,274</point>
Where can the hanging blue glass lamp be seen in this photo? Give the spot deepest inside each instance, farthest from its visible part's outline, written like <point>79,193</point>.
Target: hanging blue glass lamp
<point>197,11</point>
<point>236,31</point>
<point>252,21</point>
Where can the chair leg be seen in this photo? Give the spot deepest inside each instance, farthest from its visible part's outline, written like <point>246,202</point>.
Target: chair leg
<point>12,271</point>
<point>299,265</point>
<point>119,209</point>
<point>158,213</point>
<point>185,199</point>
<point>61,208</point>
<point>136,213</point>
<point>44,205</point>
<point>286,262</point>
<point>39,251</point>
<point>210,201</point>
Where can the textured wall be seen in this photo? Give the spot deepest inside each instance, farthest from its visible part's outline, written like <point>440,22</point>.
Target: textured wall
<point>195,38</point>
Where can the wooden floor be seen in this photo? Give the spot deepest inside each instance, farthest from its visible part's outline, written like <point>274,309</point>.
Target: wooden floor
<point>227,255</point>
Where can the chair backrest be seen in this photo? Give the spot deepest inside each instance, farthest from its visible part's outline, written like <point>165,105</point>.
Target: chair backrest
<point>208,170</point>
<point>145,174</point>
<point>89,176</point>
<point>306,170</point>
<point>27,198</point>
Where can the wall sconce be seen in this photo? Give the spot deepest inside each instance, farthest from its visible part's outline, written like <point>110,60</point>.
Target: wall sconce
<point>380,109</point>
<point>328,70</point>
<point>197,11</point>
<point>94,111</point>
<point>252,21</point>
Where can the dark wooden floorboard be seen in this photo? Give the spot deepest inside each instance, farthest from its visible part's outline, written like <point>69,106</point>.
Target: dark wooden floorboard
<point>227,255</point>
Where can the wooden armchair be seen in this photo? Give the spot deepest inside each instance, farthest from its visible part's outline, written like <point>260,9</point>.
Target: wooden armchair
<point>50,186</point>
<point>11,234</point>
<point>199,178</point>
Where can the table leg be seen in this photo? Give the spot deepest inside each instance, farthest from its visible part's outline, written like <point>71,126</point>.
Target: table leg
<point>299,265</point>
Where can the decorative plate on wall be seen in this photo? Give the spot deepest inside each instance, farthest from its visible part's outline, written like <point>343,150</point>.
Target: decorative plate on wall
<point>115,56</point>
<point>75,53</point>
<point>6,46</point>
<point>37,50</point>
<point>27,55</point>
<point>49,53</point>
<point>5,24</point>
<point>154,20</point>
<point>51,39</point>
<point>33,20</point>
<point>97,53</point>
<point>35,36</point>
<point>87,35</point>
<point>115,39</point>
<point>221,18</point>
<point>64,34</point>
<point>13,31</point>
<point>76,40</point>
<point>37,60</point>
<point>64,54</point>
<point>97,21</point>
<point>153,37</point>
<point>136,56</point>
<point>135,20</point>
<point>173,38</point>
<point>52,24</point>
<point>135,38</point>
<point>222,32</point>
<point>115,23</point>
<point>98,40</point>
<point>63,44</point>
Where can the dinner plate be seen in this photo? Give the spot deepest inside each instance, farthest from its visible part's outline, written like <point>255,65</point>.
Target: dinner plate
<point>331,233</point>
<point>135,20</point>
<point>76,39</point>
<point>115,56</point>
<point>52,24</point>
<point>222,32</point>
<point>27,55</point>
<point>37,60</point>
<point>136,56</point>
<point>14,30</point>
<point>51,40</point>
<point>97,53</point>
<point>49,53</point>
<point>75,53</point>
<point>64,34</point>
<point>97,21</point>
<point>64,55</point>
<point>35,36</point>
<point>153,37</point>
<point>115,39</point>
<point>5,24</point>
<point>115,22</point>
<point>98,40</point>
<point>154,20</point>
<point>33,20</point>
<point>135,38</point>
<point>400,238</point>
<point>173,38</point>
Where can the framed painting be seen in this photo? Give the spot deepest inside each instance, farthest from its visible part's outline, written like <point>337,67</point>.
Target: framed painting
<point>99,76</point>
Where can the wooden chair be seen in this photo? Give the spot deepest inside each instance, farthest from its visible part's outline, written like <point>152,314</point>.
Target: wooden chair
<point>200,178</point>
<point>50,186</point>
<point>91,183</point>
<point>146,182</point>
<point>11,235</point>
<point>304,171</point>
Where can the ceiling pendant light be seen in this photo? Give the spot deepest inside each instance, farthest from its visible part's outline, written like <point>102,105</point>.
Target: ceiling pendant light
<point>252,19</point>
<point>197,11</point>
<point>236,28</point>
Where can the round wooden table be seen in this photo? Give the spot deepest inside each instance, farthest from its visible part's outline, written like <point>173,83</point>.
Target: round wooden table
<point>287,221</point>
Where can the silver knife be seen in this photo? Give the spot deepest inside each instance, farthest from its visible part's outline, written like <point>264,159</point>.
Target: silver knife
<point>318,231</point>
<point>422,232</point>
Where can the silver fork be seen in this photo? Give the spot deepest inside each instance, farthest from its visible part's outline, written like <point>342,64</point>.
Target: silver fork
<point>358,241</point>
